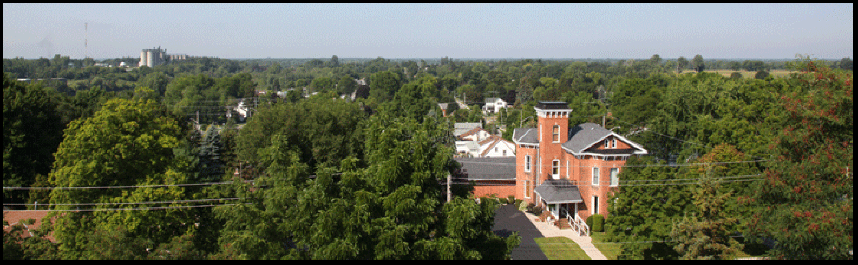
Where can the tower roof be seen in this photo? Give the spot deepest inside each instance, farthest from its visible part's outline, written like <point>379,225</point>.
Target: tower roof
<point>552,105</point>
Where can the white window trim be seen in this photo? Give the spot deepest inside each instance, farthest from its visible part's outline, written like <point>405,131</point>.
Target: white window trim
<point>527,161</point>
<point>555,176</point>
<point>596,176</point>
<point>558,133</point>
<point>614,184</point>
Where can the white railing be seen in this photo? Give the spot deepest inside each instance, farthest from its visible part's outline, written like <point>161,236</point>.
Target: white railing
<point>580,225</point>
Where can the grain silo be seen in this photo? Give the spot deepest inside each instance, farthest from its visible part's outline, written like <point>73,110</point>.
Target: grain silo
<point>142,58</point>
<point>151,57</point>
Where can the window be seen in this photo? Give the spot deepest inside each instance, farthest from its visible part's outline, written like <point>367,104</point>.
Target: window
<point>527,163</point>
<point>504,152</point>
<point>555,169</point>
<point>595,176</point>
<point>614,143</point>
<point>607,145</point>
<point>615,176</point>
<point>556,135</point>
<point>595,204</point>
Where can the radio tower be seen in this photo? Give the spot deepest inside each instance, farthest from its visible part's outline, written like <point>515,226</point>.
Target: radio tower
<point>85,36</point>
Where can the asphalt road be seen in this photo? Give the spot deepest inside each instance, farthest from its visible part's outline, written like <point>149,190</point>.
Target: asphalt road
<point>508,220</point>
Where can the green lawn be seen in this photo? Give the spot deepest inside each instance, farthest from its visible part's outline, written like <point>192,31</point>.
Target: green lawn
<point>610,249</point>
<point>561,248</point>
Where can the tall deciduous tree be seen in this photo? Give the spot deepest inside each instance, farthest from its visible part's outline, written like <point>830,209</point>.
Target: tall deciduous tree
<point>697,63</point>
<point>126,143</point>
<point>806,197</point>
<point>32,130</point>
<point>681,64</point>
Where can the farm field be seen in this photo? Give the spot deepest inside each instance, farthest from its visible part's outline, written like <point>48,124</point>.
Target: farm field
<point>746,74</point>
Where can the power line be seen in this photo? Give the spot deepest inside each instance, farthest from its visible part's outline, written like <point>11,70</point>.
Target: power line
<point>624,166</point>
<point>122,203</point>
<point>117,187</point>
<point>132,209</point>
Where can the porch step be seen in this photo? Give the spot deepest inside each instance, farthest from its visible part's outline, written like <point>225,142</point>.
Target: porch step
<point>562,224</point>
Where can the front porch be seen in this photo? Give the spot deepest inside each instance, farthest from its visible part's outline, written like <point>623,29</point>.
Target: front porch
<point>560,199</point>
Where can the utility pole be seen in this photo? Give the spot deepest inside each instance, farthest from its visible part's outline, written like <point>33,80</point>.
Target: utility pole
<point>448,188</point>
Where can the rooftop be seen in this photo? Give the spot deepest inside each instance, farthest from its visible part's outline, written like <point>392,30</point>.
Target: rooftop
<point>552,105</point>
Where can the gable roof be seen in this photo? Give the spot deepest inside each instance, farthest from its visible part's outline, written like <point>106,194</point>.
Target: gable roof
<point>489,168</point>
<point>472,132</point>
<point>525,136</point>
<point>585,135</point>
<point>460,128</point>
<point>492,141</point>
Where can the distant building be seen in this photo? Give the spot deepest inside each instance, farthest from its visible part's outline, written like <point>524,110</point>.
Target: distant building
<point>494,105</point>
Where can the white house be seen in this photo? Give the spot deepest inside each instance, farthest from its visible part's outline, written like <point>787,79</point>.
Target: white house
<point>494,105</point>
<point>476,134</point>
<point>495,146</point>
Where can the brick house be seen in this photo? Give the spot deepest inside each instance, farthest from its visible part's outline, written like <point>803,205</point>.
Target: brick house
<point>490,175</point>
<point>569,170</point>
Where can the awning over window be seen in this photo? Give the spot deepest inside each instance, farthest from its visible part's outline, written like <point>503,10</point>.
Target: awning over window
<point>558,191</point>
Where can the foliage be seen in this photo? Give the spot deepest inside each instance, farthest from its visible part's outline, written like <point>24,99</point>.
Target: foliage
<point>707,235</point>
<point>806,198</point>
<point>32,130</point>
<point>126,143</point>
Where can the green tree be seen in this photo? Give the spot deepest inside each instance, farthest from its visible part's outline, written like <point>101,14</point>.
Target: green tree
<point>32,130</point>
<point>126,143</point>
<point>707,233</point>
<point>697,63</point>
<point>346,85</point>
<point>640,212</point>
<point>383,85</point>
<point>681,64</point>
<point>805,200</point>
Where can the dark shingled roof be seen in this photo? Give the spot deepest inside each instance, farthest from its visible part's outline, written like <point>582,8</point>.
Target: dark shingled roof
<point>489,168</point>
<point>552,105</point>
<point>583,135</point>
<point>526,135</point>
<point>558,191</point>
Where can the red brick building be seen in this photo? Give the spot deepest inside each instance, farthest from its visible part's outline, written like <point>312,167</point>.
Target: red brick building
<point>569,170</point>
<point>490,175</point>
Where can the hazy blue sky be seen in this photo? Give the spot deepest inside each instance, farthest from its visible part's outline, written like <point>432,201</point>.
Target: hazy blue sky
<point>431,30</point>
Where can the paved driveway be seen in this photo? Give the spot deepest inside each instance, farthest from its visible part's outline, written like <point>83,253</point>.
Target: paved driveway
<point>507,220</point>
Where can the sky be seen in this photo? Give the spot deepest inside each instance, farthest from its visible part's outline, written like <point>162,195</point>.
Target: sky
<point>724,31</point>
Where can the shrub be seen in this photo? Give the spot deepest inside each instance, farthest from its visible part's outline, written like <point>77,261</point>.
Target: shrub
<point>736,75</point>
<point>503,201</point>
<point>511,199</point>
<point>589,222</point>
<point>518,203</point>
<point>598,223</point>
<point>537,210</point>
<point>530,207</point>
